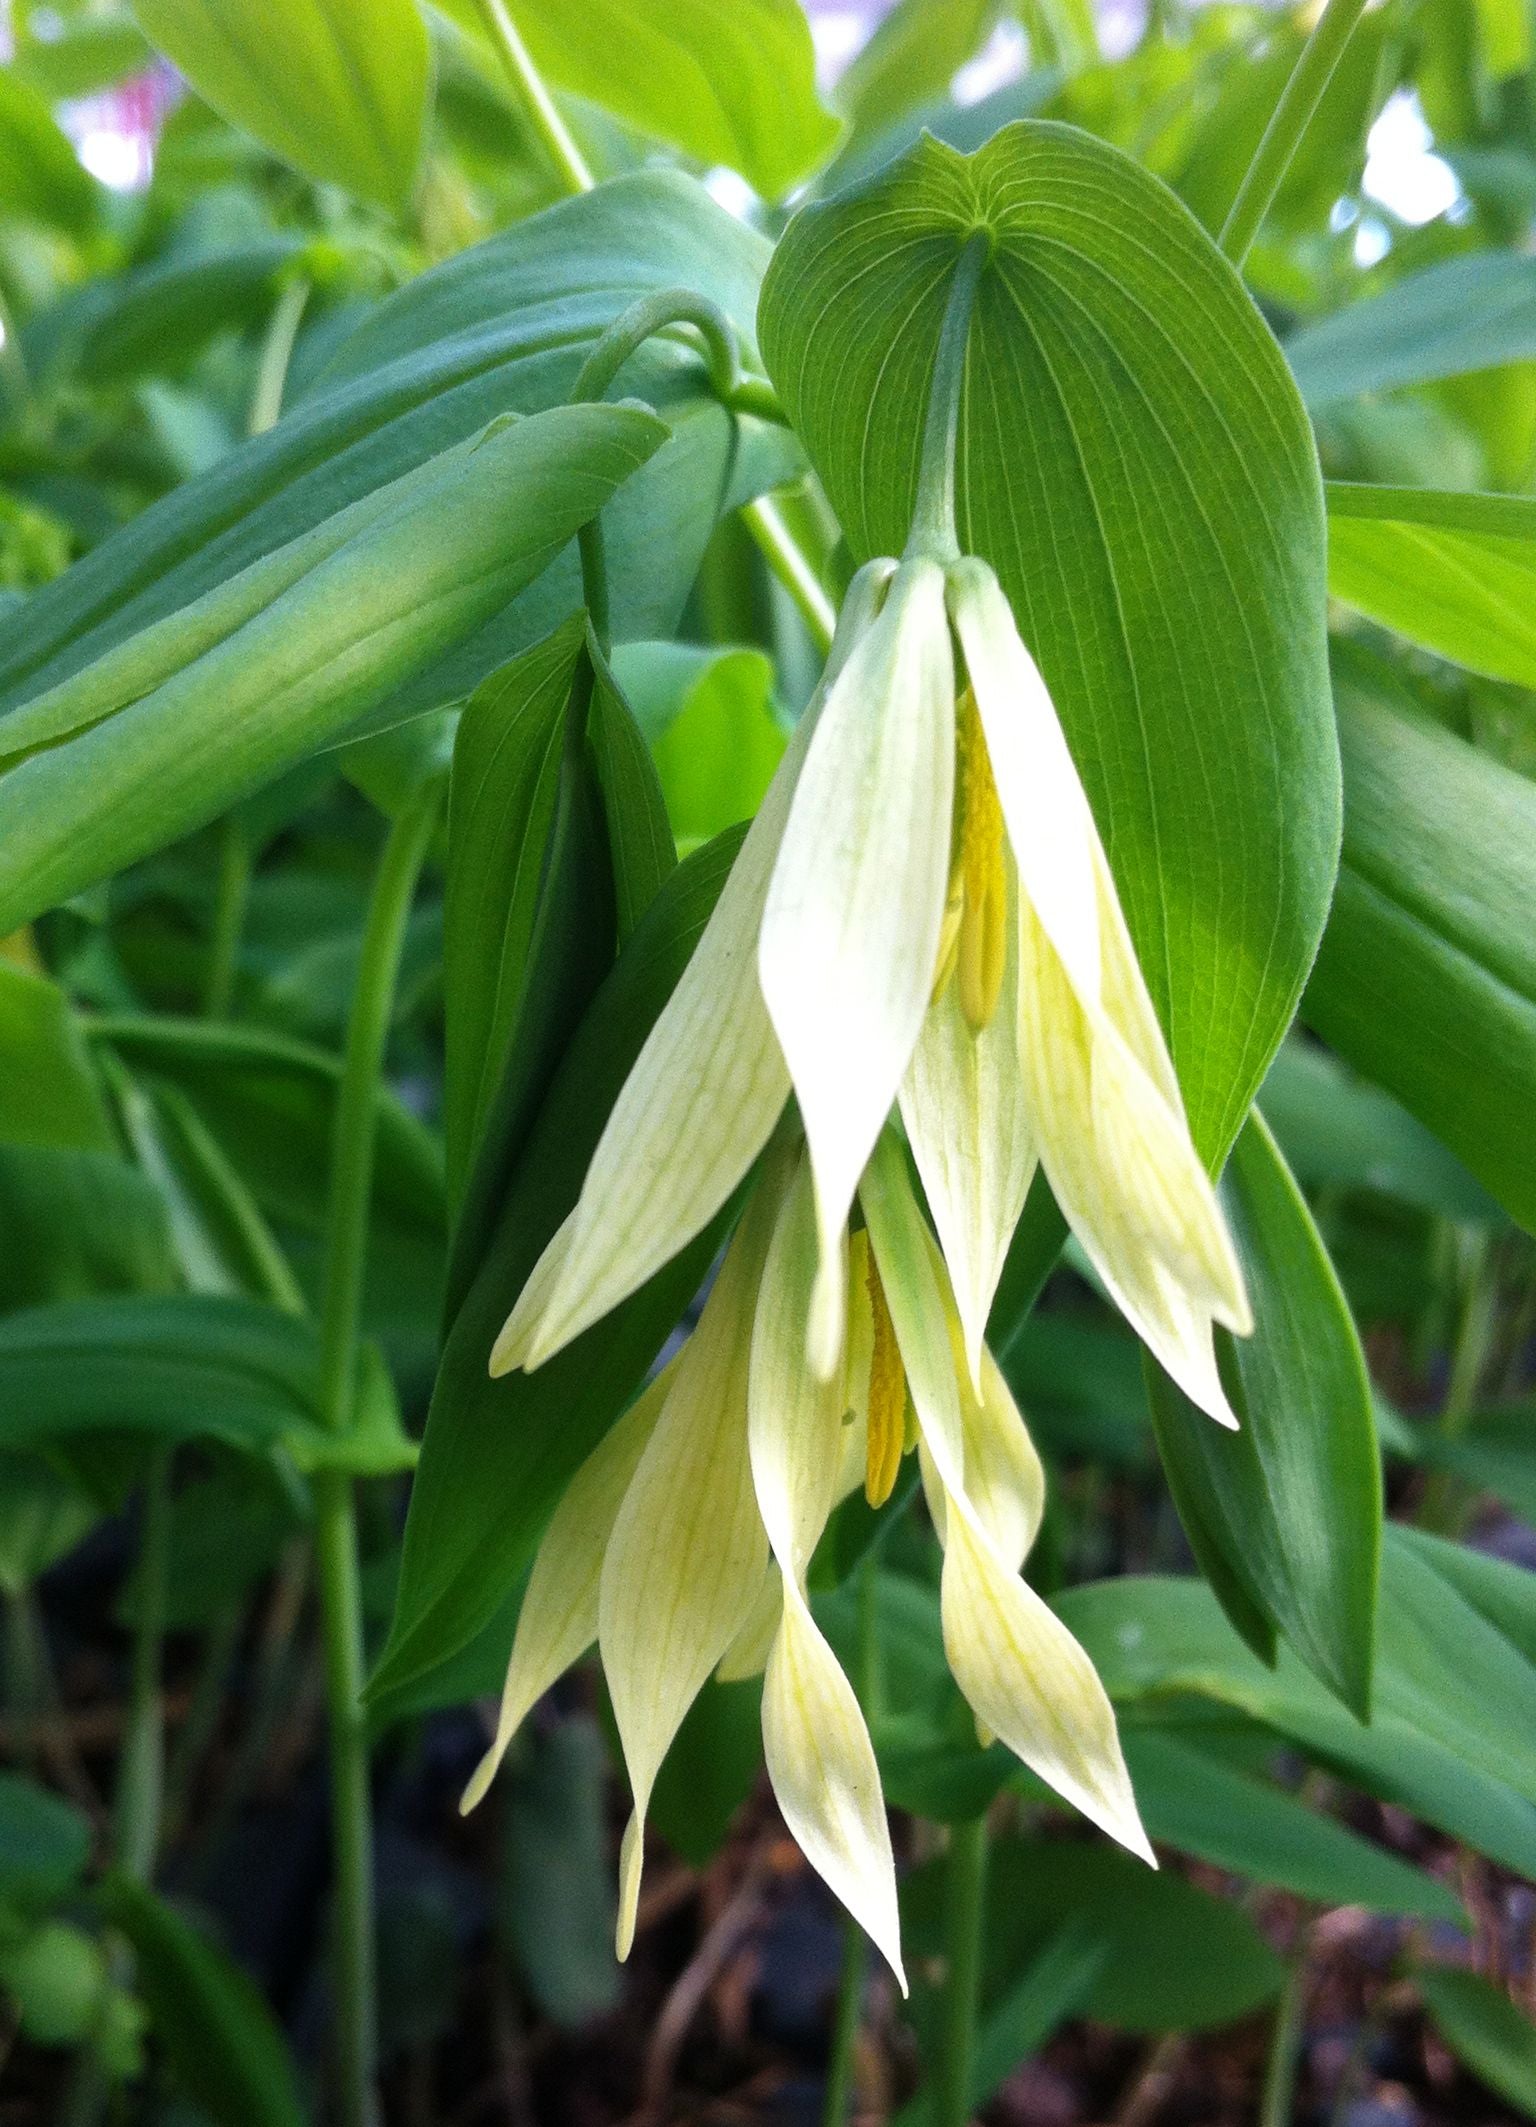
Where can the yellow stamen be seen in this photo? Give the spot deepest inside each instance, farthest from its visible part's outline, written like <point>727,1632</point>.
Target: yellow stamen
<point>973,942</point>
<point>887,1399</point>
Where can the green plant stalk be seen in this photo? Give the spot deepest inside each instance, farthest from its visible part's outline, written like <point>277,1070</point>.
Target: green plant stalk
<point>965,1897</point>
<point>353,1941</point>
<point>230,897</point>
<point>1447,1495</point>
<point>1278,2096</point>
<point>790,563</point>
<point>553,134</point>
<point>850,1985</point>
<point>1298,103</point>
<point>933,515</point>
<point>141,1774</point>
<point>276,354</point>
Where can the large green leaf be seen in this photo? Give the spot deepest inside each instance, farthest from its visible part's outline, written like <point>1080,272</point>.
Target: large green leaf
<point>1462,315</point>
<point>1154,1639</point>
<point>497,1454</point>
<point>727,81</point>
<point>1190,1800</point>
<point>502,327</point>
<point>224,2047</point>
<point>710,718</point>
<point>185,1366</point>
<point>1135,463</point>
<point>338,88</point>
<point>49,1091</point>
<point>1284,1515</point>
<point>1454,572</point>
<point>281,661</point>
<point>1426,979</point>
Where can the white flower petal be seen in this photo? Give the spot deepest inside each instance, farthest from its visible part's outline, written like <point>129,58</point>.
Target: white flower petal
<point>795,1423</point>
<point>706,1089</point>
<point>558,1620</point>
<point>684,1565</point>
<point>1024,1675</point>
<point>822,1765</point>
<point>748,1653</point>
<point>968,1125</point>
<point>851,926</point>
<point>517,1332</point>
<point>1050,826</point>
<point>1125,1175</point>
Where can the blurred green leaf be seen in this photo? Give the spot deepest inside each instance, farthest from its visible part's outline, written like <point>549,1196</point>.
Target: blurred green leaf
<point>1463,314</point>
<point>49,1091</point>
<point>40,177</point>
<point>338,88</point>
<point>710,718</point>
<point>1164,563</point>
<point>1428,968</point>
<point>1455,573</point>
<point>1483,2028</point>
<point>44,1846</point>
<point>219,2035</point>
<point>557,1897</point>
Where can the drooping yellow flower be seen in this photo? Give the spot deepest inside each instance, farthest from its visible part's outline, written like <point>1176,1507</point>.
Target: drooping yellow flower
<point>900,929</point>
<point>682,1545</point>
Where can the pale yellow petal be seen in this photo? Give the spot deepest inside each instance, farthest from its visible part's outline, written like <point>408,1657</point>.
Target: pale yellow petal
<point>1025,1677</point>
<point>851,926</point>
<point>1050,826</point>
<point>795,1420</point>
<point>1029,1682</point>
<point>684,1565</point>
<point>517,1332</point>
<point>558,1620</point>
<point>707,1087</point>
<point>968,1125</point>
<point>748,1653</point>
<point>822,1765</point>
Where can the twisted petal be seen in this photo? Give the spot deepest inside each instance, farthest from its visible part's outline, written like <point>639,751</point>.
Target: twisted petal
<point>851,927</point>
<point>702,1098</point>
<point>1096,1074</point>
<point>820,1758</point>
<point>1126,1176</point>
<point>684,1565</point>
<point>1025,1676</point>
<point>968,1124</point>
<point>558,1620</point>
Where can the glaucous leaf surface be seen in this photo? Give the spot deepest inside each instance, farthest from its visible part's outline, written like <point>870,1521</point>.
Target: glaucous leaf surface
<point>1461,315</point>
<point>1134,462</point>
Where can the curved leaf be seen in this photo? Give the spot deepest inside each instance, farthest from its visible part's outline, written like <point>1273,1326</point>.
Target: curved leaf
<point>1134,462</point>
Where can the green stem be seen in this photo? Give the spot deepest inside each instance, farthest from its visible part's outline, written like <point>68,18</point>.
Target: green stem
<point>276,354</point>
<point>231,895</point>
<point>1292,115</point>
<point>933,515</point>
<point>136,1814</point>
<point>1276,2102</point>
<point>355,2007</point>
<point>652,314</point>
<point>12,361</point>
<point>965,1894</point>
<point>1447,1495</point>
<point>850,1986</point>
<point>792,566</point>
<point>567,160</point>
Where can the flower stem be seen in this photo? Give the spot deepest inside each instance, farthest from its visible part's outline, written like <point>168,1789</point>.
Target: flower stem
<point>965,1895</point>
<point>933,515</point>
<point>355,2007</point>
<point>230,897</point>
<point>653,314</point>
<point>276,354</point>
<point>1292,115</point>
<point>567,160</point>
<point>792,566</point>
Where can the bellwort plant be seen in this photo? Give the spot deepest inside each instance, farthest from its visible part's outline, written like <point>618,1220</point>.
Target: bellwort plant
<point>920,941</point>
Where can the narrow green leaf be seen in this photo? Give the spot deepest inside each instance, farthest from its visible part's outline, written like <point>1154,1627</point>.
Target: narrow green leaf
<point>467,534</point>
<point>41,178</point>
<point>640,844</point>
<point>1463,314</point>
<point>1454,573</point>
<point>557,1898</point>
<point>218,2033</point>
<point>1483,2028</point>
<point>1289,1507</point>
<point>1192,1801</point>
<point>1428,968</point>
<point>710,717</point>
<point>338,88</point>
<point>1134,462</point>
<point>497,1454</point>
<point>49,1090</point>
